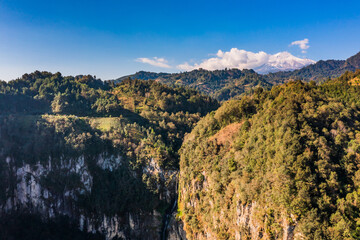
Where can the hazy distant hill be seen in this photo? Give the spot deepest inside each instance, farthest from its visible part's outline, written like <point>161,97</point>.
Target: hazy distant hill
<point>143,75</point>
<point>319,71</point>
<point>220,84</point>
<point>228,83</point>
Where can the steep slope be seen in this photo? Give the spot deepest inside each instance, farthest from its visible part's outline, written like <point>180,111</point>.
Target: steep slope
<point>78,152</point>
<point>280,164</point>
<point>353,62</point>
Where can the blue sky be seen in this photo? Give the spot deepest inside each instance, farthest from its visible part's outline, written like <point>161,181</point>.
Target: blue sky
<point>109,38</point>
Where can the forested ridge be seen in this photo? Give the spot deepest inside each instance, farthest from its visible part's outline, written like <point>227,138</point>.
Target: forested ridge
<point>276,164</point>
<point>142,107</point>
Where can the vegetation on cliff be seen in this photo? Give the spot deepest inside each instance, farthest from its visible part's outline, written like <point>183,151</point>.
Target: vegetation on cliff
<point>279,162</point>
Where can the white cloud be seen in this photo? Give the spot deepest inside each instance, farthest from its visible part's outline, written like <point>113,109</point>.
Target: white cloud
<point>303,44</point>
<point>155,61</point>
<point>185,66</point>
<point>241,59</point>
<point>235,58</point>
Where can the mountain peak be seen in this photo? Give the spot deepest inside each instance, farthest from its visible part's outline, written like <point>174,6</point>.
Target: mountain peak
<point>283,61</point>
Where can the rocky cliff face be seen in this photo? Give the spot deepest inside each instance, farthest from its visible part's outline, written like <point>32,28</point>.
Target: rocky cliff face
<point>32,190</point>
<point>175,229</point>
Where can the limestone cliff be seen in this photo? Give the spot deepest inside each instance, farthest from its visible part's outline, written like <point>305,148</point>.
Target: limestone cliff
<point>31,193</point>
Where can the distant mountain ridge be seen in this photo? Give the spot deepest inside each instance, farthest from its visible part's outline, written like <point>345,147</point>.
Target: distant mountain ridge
<point>318,71</point>
<point>228,83</point>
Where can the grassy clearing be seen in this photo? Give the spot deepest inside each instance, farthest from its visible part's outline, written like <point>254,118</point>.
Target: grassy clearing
<point>105,124</point>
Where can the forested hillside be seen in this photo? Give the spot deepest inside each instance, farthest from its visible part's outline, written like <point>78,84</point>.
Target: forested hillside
<point>103,155</point>
<point>279,164</point>
<point>101,160</point>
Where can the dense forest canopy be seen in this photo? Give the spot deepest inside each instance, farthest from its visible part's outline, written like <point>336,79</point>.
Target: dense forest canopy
<point>290,156</point>
<point>141,105</point>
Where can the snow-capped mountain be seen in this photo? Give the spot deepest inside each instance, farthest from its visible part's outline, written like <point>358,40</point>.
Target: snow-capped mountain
<point>283,61</point>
